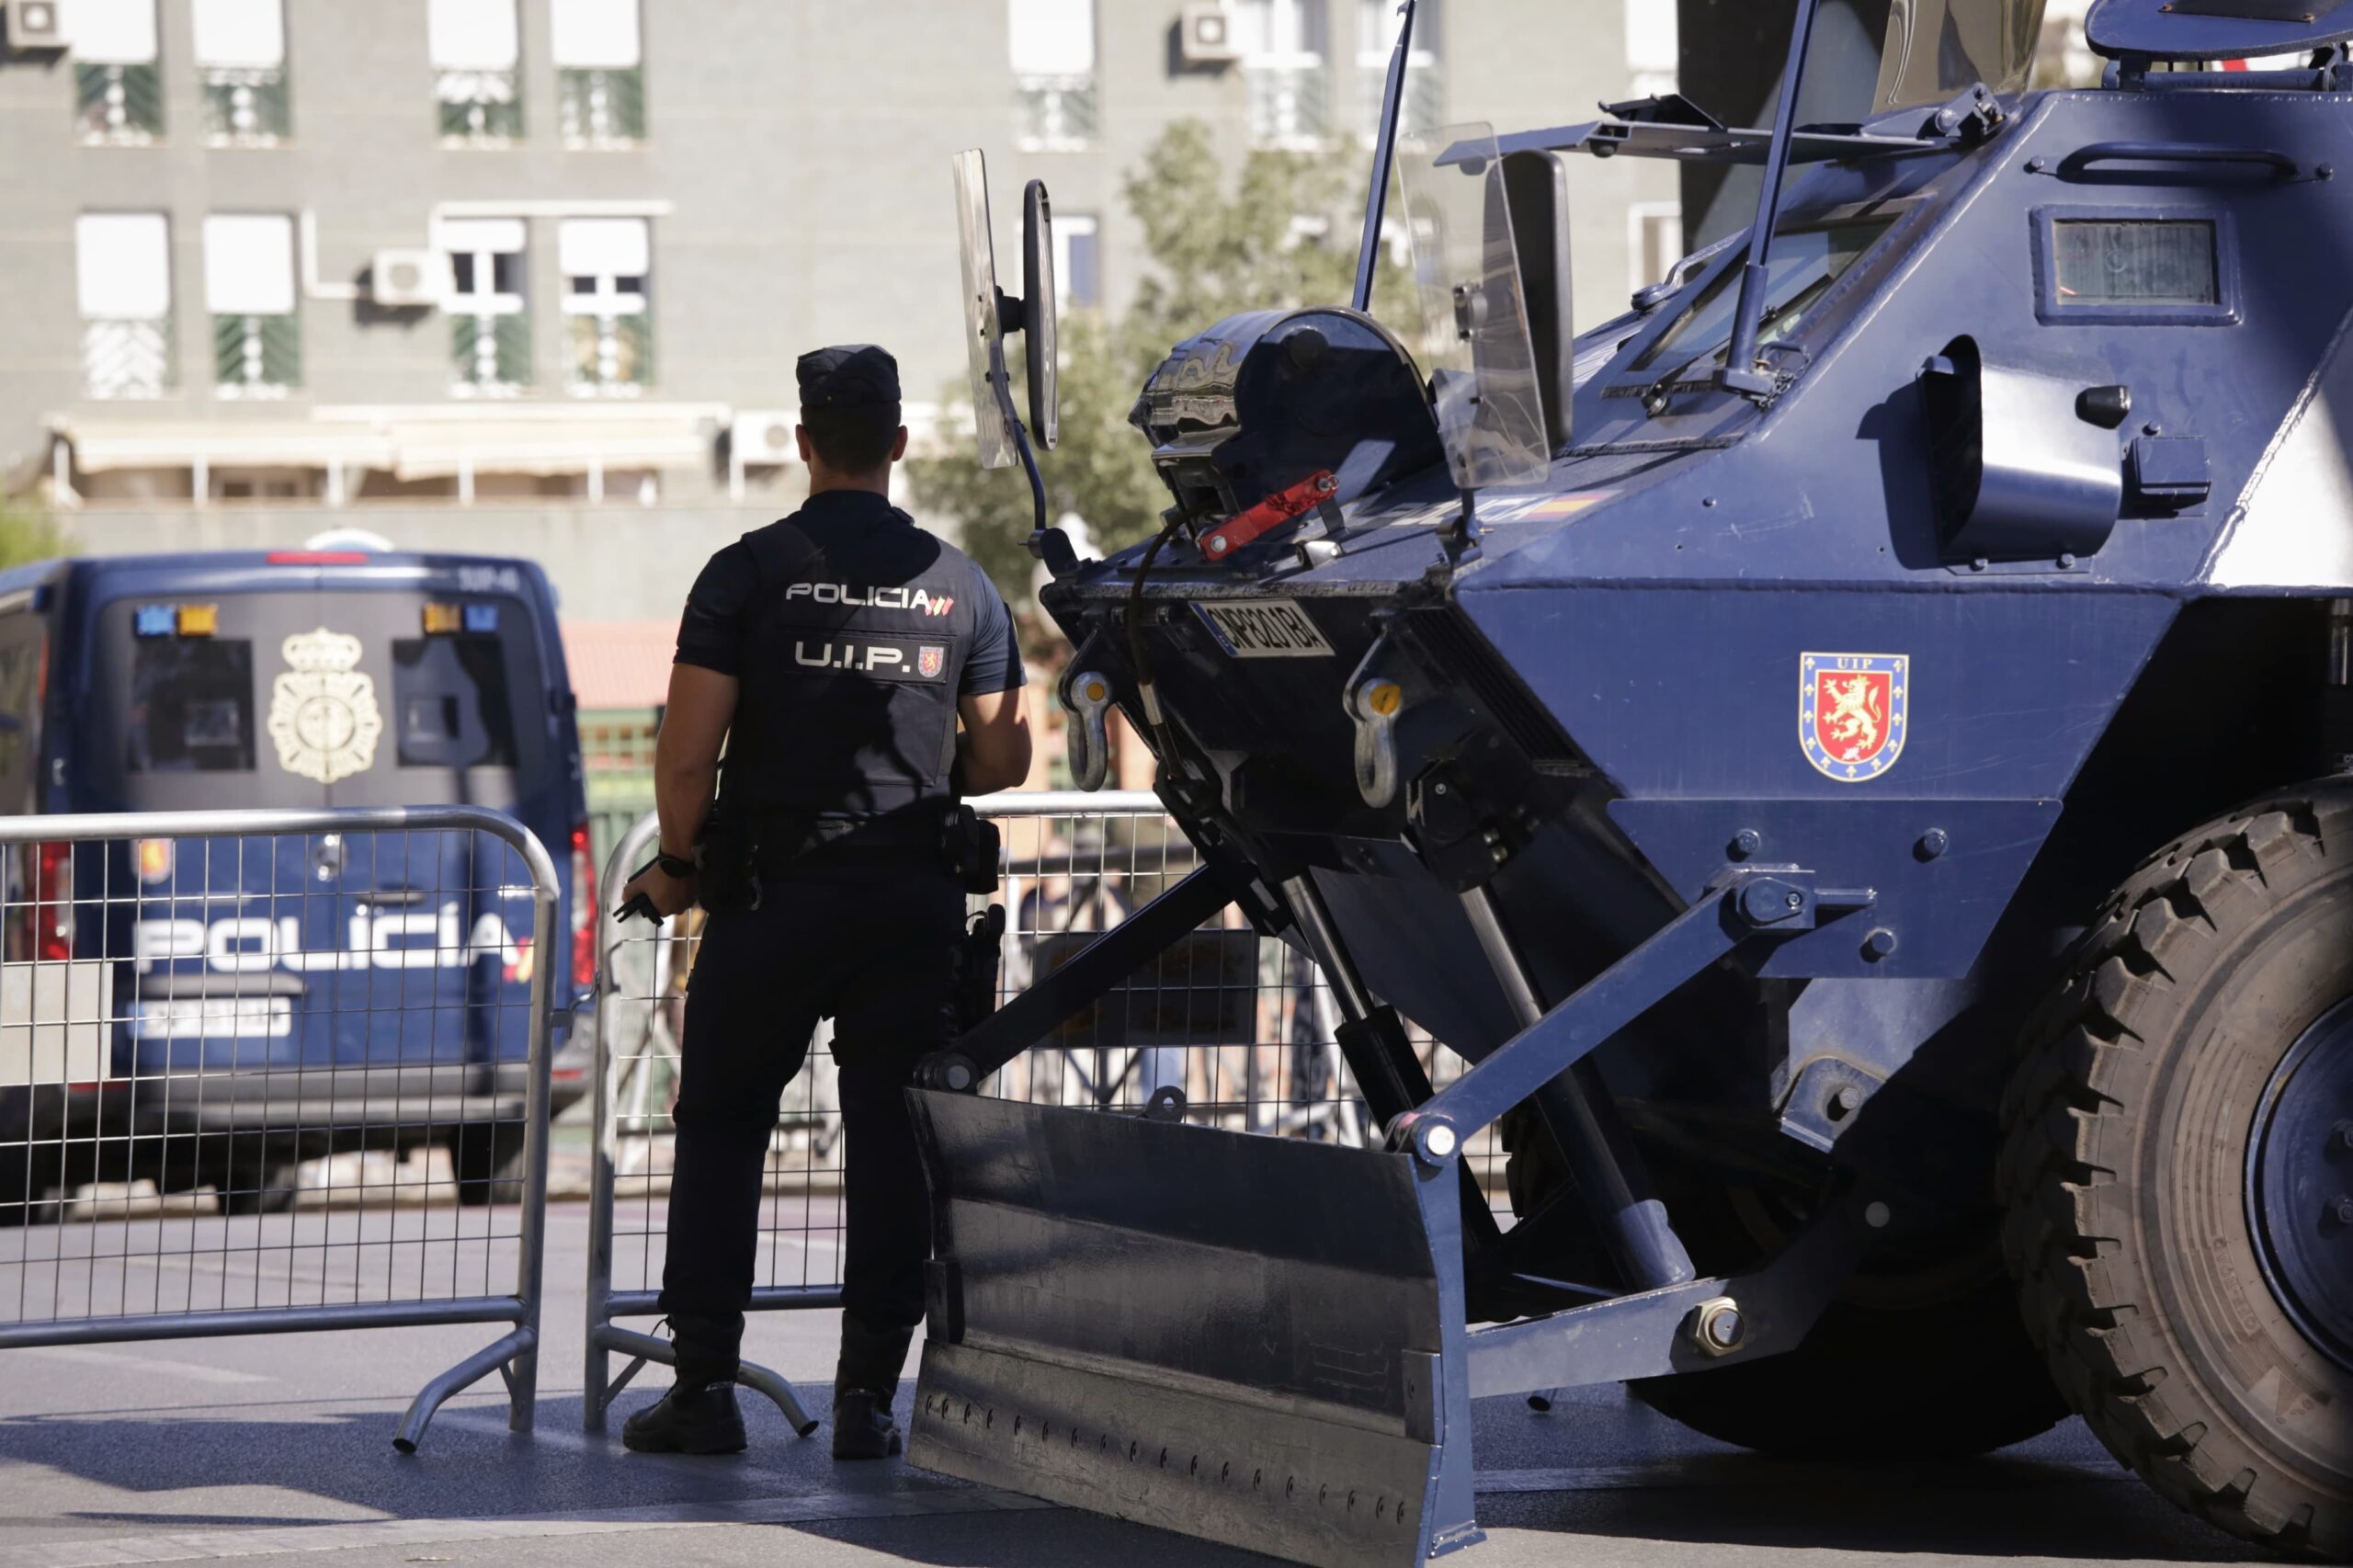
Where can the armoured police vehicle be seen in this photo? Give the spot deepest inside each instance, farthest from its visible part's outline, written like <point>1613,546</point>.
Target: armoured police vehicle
<point>279,997</point>
<point>1854,753</point>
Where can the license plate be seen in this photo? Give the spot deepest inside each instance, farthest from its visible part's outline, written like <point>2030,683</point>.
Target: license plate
<point>1264,628</point>
<point>217,1018</point>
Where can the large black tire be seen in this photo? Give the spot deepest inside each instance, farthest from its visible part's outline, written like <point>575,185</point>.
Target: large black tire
<point>2124,1173</point>
<point>1854,1389</point>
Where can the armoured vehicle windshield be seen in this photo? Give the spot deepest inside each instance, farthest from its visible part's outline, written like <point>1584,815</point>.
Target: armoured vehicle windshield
<point>1808,257</point>
<point>1870,57</point>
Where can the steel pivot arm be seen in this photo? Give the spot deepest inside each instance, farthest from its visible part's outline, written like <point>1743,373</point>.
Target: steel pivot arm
<point>1748,906</point>
<point>1097,968</point>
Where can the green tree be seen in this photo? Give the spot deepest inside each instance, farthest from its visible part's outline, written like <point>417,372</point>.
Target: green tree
<point>1219,247</point>
<point>27,533</point>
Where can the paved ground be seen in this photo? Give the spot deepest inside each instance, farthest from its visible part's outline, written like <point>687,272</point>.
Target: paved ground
<point>207,1450</point>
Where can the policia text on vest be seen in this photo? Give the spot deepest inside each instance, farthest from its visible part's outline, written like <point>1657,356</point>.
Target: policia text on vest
<point>861,675</point>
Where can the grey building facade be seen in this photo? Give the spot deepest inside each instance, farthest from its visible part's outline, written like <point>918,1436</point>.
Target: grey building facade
<point>531,275</point>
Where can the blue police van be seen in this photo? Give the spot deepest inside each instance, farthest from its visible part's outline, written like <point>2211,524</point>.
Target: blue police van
<point>271,999</point>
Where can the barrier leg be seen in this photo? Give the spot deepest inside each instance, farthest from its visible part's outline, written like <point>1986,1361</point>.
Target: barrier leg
<point>520,1347</point>
<point>650,1348</point>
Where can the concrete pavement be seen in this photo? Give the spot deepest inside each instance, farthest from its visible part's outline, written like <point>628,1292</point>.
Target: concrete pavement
<point>280,1447</point>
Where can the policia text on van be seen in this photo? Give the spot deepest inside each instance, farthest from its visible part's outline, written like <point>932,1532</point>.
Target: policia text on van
<point>834,654</point>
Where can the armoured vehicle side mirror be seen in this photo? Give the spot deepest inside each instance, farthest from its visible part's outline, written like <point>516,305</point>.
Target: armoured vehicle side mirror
<point>1474,344</point>
<point>1040,328</point>
<point>2026,466</point>
<point>989,315</point>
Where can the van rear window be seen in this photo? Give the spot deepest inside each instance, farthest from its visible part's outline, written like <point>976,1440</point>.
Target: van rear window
<point>191,706</point>
<point>450,695</point>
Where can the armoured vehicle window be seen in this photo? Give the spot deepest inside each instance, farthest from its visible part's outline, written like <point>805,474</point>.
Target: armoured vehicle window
<point>451,697</point>
<point>191,706</point>
<point>1803,267</point>
<point>2135,263</point>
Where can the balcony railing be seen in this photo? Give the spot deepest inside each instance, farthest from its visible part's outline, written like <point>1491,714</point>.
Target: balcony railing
<point>611,355</point>
<point>1057,113</point>
<point>602,108</point>
<point>256,356</point>
<point>119,103</point>
<point>480,105</point>
<point>246,107</point>
<point>1424,105</point>
<point>1291,102</point>
<point>491,355</point>
<point>127,359</point>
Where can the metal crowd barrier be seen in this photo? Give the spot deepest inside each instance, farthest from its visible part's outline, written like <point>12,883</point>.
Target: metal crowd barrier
<point>247,1060</point>
<point>1243,1026</point>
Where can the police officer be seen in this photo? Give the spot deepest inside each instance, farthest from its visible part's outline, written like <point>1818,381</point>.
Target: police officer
<point>834,654</point>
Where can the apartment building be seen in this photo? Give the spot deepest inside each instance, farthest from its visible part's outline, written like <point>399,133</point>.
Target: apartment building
<point>531,275</point>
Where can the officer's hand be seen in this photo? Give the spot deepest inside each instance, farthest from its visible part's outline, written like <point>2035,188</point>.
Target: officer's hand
<point>669,894</point>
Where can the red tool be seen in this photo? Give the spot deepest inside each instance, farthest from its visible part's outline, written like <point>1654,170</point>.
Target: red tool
<point>1269,515</point>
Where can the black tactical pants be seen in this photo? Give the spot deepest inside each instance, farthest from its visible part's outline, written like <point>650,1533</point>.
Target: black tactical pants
<point>870,945</point>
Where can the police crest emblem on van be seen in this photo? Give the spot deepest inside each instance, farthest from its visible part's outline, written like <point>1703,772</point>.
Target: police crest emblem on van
<point>323,711</point>
<point>1852,712</point>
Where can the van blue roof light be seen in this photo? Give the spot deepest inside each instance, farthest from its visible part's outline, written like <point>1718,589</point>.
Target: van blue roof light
<point>482,618</point>
<point>156,621</point>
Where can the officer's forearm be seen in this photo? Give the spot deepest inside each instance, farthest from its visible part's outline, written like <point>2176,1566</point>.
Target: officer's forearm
<point>682,788</point>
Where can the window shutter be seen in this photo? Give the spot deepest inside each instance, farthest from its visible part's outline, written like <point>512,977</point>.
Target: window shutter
<point>596,35</point>
<point>604,248</point>
<point>111,32</point>
<point>241,34</point>
<point>123,266</point>
<point>473,35</point>
<point>1051,38</point>
<point>249,264</point>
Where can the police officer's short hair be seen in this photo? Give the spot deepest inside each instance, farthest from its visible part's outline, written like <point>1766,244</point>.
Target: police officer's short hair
<point>850,404</point>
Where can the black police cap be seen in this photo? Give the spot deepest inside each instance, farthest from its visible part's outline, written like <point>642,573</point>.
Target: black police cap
<point>849,379</point>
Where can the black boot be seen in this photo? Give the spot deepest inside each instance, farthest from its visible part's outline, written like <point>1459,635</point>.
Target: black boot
<point>865,1381</point>
<point>692,1418</point>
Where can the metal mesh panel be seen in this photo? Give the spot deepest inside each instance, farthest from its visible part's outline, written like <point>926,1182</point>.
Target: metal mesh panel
<point>1242,1024</point>
<point>262,1071</point>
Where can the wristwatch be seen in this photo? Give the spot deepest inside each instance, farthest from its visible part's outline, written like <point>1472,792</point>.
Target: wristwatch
<point>676,866</point>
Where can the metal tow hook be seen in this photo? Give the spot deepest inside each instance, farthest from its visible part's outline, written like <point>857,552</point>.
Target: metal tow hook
<point>1086,697</point>
<point>1374,706</point>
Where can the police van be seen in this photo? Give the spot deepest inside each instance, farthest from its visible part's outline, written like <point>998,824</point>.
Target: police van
<point>271,999</point>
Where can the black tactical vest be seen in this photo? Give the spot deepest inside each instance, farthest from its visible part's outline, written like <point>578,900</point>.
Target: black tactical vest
<point>856,639</point>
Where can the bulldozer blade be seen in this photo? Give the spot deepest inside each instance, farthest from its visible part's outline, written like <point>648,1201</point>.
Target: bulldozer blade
<point>1253,1340</point>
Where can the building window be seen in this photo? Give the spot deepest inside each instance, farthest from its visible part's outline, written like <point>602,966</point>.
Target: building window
<point>475,81</point>
<point>1053,46</point>
<point>606,263</point>
<point>1078,262</point>
<point>1654,242</point>
<point>489,320</point>
<point>241,63</point>
<point>1283,47</point>
<point>249,289</point>
<point>1425,103</point>
<point>600,70</point>
<point>118,88</point>
<point>123,267</point>
<point>1653,48</point>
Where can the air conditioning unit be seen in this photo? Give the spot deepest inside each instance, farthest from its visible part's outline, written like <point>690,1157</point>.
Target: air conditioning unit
<point>35,24</point>
<point>409,278</point>
<point>765,436</point>
<point>1205,35</point>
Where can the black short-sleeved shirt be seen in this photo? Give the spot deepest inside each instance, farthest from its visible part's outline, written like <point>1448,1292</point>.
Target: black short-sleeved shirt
<point>853,631</point>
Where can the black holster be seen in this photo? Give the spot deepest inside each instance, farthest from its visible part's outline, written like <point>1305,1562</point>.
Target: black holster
<point>728,881</point>
<point>978,956</point>
<point>971,844</point>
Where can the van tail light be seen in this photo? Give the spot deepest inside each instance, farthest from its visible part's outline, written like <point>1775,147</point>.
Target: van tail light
<point>48,910</point>
<point>583,910</point>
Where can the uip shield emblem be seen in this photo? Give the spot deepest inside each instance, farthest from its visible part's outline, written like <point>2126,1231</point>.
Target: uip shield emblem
<point>1851,712</point>
<point>930,660</point>
<point>323,709</point>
